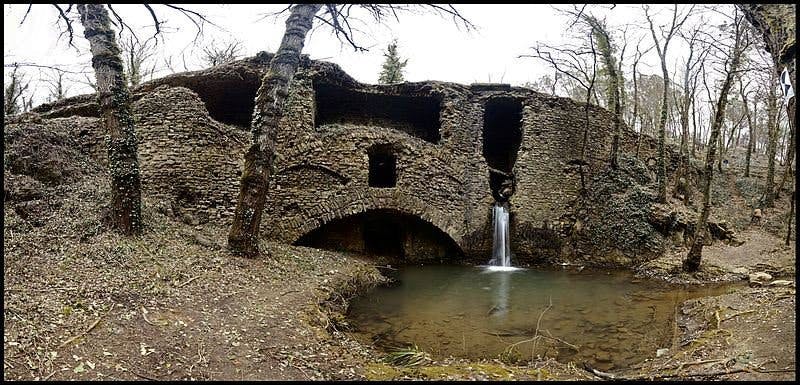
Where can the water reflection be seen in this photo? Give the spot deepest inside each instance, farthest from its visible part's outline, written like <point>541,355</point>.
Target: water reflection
<point>476,313</point>
<point>500,290</point>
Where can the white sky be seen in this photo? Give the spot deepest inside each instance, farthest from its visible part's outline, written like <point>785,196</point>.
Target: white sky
<point>435,47</point>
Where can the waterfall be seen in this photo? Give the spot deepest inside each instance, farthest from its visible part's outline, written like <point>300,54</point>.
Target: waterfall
<point>501,251</point>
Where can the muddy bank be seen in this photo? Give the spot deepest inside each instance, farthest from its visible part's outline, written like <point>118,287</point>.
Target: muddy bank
<point>746,335</point>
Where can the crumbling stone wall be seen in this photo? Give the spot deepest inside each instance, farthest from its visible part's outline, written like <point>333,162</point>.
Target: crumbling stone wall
<point>192,134</point>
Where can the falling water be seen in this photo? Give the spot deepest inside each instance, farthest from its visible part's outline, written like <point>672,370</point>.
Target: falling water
<point>501,252</point>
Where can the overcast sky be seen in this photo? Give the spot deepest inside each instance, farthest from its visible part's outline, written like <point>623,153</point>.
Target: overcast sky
<point>436,48</point>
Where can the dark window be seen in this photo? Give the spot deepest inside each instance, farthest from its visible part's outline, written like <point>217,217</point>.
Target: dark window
<point>502,135</point>
<point>413,114</point>
<point>382,167</point>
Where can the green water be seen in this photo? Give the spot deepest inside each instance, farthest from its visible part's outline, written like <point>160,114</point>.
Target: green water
<point>611,319</point>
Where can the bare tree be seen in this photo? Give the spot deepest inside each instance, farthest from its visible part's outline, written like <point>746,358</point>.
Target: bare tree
<point>16,86</point>
<point>27,102</point>
<point>731,65</point>
<point>57,86</point>
<point>14,92</point>
<point>636,118</point>
<point>114,101</point>
<point>745,95</point>
<point>271,97</point>
<point>689,85</point>
<point>215,54</point>
<point>772,139</point>
<point>137,56</point>
<point>666,37</point>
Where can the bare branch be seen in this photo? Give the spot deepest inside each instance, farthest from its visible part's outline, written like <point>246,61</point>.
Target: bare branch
<point>155,19</point>
<point>63,16</point>
<point>457,17</point>
<point>577,16</point>
<point>192,16</point>
<point>26,14</point>
<point>122,24</point>
<point>17,64</point>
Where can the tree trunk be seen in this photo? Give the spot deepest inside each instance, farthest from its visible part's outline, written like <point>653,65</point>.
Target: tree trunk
<point>695,133</point>
<point>662,125</point>
<point>692,261</point>
<point>685,118</point>
<point>115,109</point>
<point>772,144</point>
<point>636,109</point>
<point>791,215</point>
<point>604,45</point>
<point>721,149</point>
<point>269,105</point>
<point>751,136</point>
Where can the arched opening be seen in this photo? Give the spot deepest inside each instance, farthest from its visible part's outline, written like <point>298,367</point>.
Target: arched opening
<point>502,135</point>
<point>387,234</point>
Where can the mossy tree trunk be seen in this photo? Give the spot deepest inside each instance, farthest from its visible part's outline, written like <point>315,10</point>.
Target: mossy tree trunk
<point>692,261</point>
<point>686,104</point>
<point>604,45</point>
<point>115,109</point>
<point>269,108</point>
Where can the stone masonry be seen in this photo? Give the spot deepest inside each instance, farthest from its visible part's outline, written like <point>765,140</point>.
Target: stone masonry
<point>337,135</point>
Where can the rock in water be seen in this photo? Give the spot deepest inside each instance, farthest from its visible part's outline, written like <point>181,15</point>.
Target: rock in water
<point>760,277</point>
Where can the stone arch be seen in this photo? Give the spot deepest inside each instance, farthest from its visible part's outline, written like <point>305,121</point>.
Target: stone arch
<point>386,233</point>
<point>316,168</point>
<point>360,201</point>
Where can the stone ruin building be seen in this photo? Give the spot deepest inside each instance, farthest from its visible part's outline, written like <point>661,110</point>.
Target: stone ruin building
<point>407,170</point>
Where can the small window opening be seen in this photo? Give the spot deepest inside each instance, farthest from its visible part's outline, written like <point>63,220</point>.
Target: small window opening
<point>382,167</point>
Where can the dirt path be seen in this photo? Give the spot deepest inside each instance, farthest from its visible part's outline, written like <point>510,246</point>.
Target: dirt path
<point>760,252</point>
<point>747,330</point>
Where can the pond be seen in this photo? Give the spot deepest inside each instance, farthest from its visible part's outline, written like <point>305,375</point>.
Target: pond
<point>607,318</point>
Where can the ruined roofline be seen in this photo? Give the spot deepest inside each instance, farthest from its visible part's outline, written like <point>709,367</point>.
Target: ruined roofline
<point>251,69</point>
